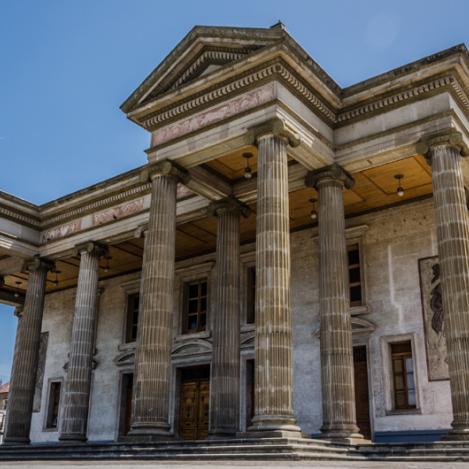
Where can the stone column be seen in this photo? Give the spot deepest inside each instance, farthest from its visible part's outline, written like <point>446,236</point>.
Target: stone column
<point>273,366</point>
<point>23,377</point>
<point>78,380</point>
<point>337,379</point>
<point>153,354</point>
<point>224,395</point>
<point>444,152</point>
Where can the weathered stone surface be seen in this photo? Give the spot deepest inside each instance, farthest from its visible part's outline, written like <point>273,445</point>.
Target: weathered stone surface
<point>23,379</point>
<point>444,153</point>
<point>273,366</point>
<point>74,419</point>
<point>153,355</point>
<point>224,395</point>
<point>338,403</point>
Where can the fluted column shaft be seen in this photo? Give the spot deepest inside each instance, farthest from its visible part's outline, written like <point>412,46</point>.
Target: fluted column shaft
<point>337,377</point>
<point>453,247</point>
<point>25,360</point>
<point>273,366</point>
<point>224,395</point>
<point>153,355</point>
<point>78,380</point>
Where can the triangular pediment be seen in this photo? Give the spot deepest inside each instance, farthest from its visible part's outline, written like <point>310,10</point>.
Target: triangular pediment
<point>204,51</point>
<point>210,59</point>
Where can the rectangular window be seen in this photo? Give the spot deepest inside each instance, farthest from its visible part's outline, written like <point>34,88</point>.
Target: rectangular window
<point>53,405</point>
<point>251,296</point>
<point>133,300</point>
<point>195,306</point>
<point>354,275</point>
<point>403,376</point>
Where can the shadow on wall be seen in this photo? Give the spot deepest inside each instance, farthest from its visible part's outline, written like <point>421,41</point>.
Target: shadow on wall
<point>8,323</point>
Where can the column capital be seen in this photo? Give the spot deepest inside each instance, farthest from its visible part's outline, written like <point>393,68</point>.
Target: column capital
<point>226,205</point>
<point>141,231</point>
<point>92,247</point>
<point>167,168</point>
<point>446,138</point>
<point>334,172</point>
<point>275,127</point>
<point>38,263</point>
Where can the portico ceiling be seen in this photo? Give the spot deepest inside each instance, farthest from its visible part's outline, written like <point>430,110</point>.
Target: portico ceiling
<point>375,188</point>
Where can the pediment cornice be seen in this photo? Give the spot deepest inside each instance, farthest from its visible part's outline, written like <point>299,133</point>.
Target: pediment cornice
<point>234,60</point>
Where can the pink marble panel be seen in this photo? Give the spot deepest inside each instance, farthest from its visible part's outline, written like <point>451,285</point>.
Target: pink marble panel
<point>61,231</point>
<point>215,114</point>
<point>115,213</point>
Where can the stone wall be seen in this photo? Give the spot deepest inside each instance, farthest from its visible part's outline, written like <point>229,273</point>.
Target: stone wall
<point>392,242</point>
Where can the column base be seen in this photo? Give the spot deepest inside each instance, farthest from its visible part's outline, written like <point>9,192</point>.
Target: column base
<point>343,434</point>
<point>150,432</point>
<point>266,426</point>
<point>73,438</point>
<point>457,433</point>
<point>222,435</point>
<point>15,441</point>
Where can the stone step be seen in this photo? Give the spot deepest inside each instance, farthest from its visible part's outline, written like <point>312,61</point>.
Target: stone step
<point>247,449</point>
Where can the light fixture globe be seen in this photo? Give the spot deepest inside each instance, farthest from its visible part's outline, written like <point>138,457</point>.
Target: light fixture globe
<point>400,190</point>
<point>247,169</point>
<point>313,214</point>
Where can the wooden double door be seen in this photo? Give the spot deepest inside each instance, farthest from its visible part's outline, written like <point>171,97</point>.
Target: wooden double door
<point>194,404</point>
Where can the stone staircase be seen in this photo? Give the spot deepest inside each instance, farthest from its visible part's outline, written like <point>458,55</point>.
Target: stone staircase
<point>239,449</point>
<point>279,449</point>
<point>444,451</point>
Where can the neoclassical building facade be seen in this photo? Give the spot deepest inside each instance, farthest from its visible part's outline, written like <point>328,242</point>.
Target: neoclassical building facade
<point>292,261</point>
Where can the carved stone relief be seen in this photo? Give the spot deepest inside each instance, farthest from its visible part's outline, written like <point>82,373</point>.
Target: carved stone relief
<point>433,318</point>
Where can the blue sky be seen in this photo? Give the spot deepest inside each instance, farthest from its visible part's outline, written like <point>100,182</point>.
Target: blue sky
<point>66,66</point>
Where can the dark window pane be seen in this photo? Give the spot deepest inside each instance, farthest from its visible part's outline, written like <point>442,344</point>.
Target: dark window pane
<point>53,408</point>
<point>192,323</point>
<point>398,366</point>
<point>132,317</point>
<point>355,294</point>
<point>401,347</point>
<point>202,321</point>
<point>354,275</point>
<point>203,305</point>
<point>353,256</point>
<point>404,383</point>
<point>251,296</point>
<point>400,401</point>
<point>399,382</point>
<point>194,290</point>
<point>193,306</point>
<point>203,286</point>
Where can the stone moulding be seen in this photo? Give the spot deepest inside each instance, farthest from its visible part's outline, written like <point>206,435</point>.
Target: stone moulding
<point>334,117</point>
<point>252,78</point>
<point>191,347</point>
<point>404,96</point>
<point>209,56</point>
<point>125,358</point>
<point>19,216</point>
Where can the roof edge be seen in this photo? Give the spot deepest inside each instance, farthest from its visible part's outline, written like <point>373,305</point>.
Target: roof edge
<point>405,69</point>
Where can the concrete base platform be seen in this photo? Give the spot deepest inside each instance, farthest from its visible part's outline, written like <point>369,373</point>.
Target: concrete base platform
<point>262,449</point>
